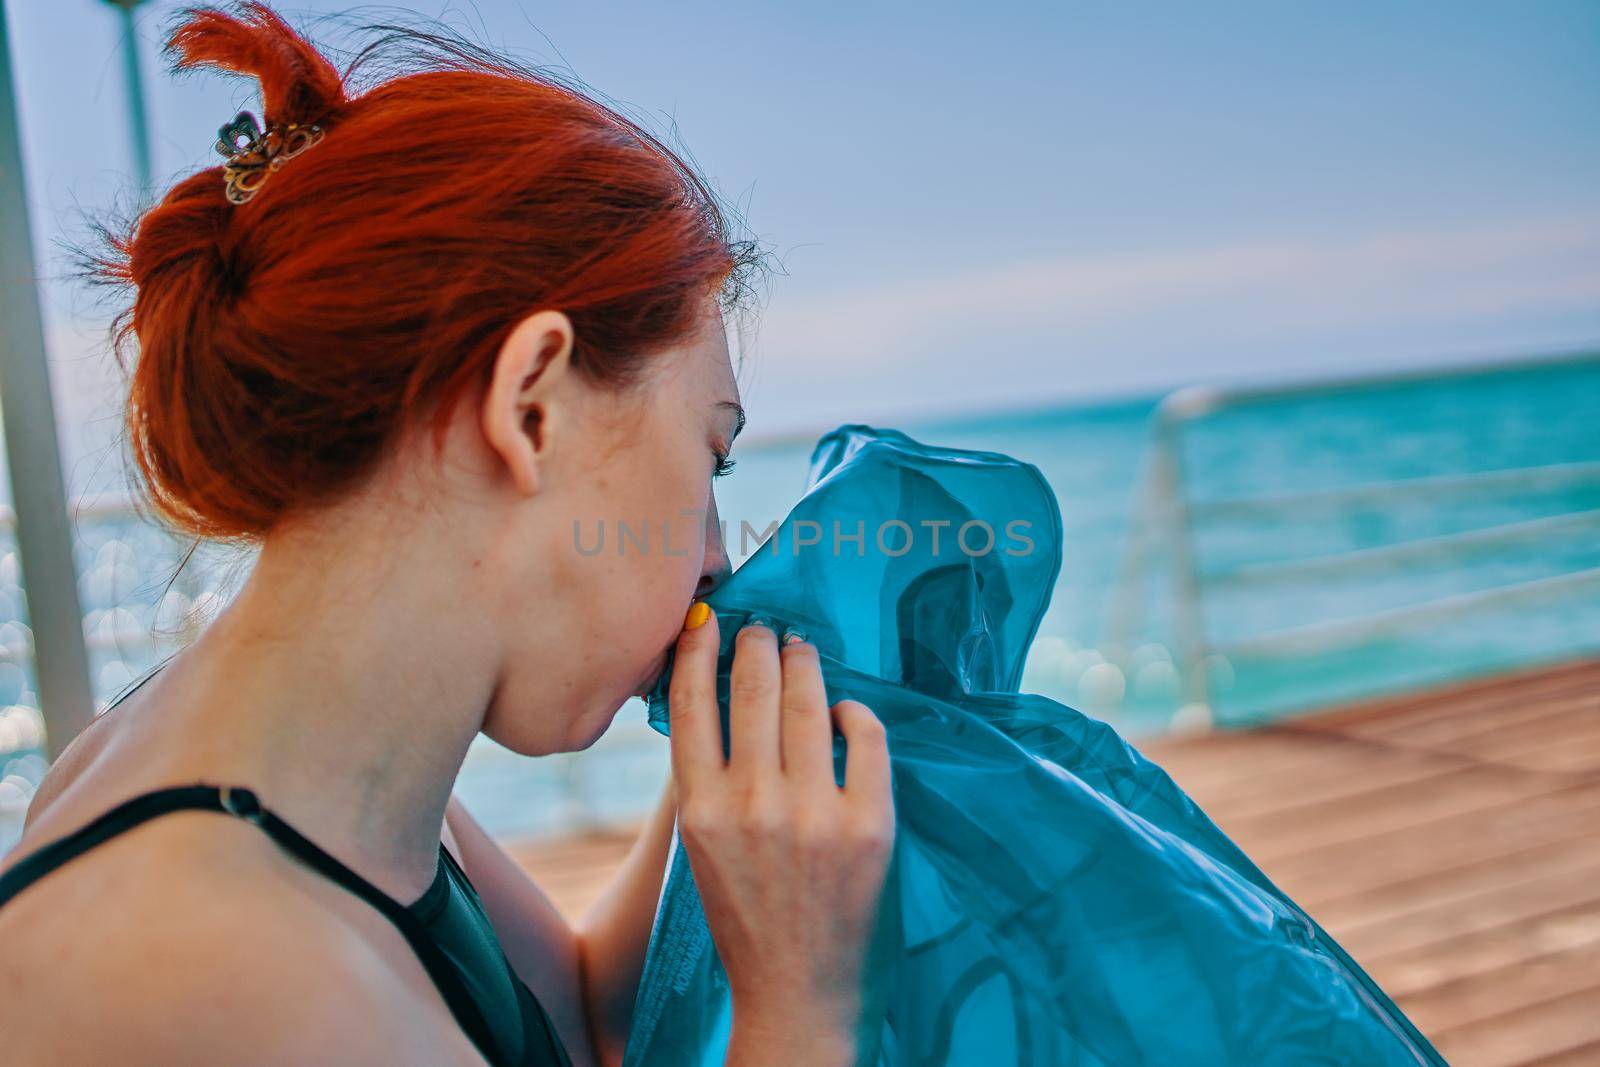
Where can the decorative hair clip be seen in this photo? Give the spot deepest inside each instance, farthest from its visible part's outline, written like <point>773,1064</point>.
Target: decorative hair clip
<point>251,163</point>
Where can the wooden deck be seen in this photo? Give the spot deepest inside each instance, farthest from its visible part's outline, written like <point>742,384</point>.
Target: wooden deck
<point>1450,840</point>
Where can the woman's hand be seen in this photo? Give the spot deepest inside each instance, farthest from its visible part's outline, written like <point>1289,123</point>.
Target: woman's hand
<point>790,866</point>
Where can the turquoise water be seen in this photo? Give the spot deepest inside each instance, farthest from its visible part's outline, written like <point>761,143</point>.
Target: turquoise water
<point>1094,457</point>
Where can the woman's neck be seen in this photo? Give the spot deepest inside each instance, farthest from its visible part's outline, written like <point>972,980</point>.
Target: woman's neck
<point>344,692</point>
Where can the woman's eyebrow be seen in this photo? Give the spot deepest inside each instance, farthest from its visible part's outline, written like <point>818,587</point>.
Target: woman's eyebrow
<point>739,422</point>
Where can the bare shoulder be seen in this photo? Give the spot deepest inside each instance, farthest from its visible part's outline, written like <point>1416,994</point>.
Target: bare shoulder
<point>65,769</point>
<point>190,940</point>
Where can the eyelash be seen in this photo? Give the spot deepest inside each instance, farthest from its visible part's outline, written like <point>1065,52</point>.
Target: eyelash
<point>724,466</point>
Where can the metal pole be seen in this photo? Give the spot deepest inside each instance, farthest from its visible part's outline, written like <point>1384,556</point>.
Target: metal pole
<point>44,535</point>
<point>1188,616</point>
<point>138,127</point>
<point>1125,612</point>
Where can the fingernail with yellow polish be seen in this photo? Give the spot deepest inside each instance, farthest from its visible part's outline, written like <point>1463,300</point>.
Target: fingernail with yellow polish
<point>699,612</point>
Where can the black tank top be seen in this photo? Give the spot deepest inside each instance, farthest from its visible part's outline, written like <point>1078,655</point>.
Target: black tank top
<point>446,927</point>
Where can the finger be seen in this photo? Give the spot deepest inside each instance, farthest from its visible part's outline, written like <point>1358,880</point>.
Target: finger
<point>866,761</point>
<point>693,726</point>
<point>754,688</point>
<point>805,727</point>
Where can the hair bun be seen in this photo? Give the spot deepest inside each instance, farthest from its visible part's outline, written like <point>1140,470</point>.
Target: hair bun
<point>298,84</point>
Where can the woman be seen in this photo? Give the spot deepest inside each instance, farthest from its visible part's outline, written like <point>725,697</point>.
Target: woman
<point>407,343</point>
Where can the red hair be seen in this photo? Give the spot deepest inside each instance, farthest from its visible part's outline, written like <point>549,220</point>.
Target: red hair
<point>284,342</point>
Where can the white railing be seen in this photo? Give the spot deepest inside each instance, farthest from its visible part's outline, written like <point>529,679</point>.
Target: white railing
<point>1166,519</point>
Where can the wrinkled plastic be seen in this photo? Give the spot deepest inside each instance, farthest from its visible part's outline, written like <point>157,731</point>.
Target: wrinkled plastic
<point>1055,898</point>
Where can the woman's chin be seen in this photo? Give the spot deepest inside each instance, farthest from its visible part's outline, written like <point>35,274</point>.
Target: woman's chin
<point>578,733</point>
<point>653,675</point>
<point>594,731</point>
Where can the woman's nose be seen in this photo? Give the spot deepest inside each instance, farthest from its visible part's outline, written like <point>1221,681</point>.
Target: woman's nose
<point>717,566</point>
<point>706,585</point>
<point>717,569</point>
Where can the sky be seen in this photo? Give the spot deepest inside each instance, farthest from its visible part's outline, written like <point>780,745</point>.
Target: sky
<point>985,205</point>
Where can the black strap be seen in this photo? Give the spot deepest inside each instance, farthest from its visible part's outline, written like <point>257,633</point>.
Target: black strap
<point>243,804</point>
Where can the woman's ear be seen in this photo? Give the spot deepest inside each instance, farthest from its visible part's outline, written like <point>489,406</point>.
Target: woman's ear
<point>520,408</point>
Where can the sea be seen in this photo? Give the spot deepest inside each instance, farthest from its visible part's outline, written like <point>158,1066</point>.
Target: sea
<point>1326,544</point>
